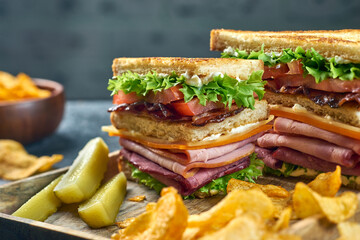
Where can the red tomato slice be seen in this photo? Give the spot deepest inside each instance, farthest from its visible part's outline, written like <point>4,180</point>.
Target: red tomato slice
<point>166,96</point>
<point>194,107</point>
<point>121,98</point>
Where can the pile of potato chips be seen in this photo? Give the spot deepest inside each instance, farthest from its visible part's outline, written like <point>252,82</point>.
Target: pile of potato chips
<point>249,211</point>
<point>20,87</point>
<point>16,163</point>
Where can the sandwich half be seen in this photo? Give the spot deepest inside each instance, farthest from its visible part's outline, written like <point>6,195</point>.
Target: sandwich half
<point>313,86</point>
<point>188,123</point>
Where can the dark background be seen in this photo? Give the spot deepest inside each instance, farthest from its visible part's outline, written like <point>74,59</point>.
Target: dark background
<point>75,41</point>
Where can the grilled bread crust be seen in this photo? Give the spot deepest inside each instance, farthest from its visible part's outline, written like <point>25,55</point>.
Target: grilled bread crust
<point>184,131</point>
<point>343,43</point>
<point>192,66</point>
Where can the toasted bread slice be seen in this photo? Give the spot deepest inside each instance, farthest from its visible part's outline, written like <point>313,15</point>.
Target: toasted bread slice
<point>342,43</point>
<point>184,131</point>
<point>192,66</point>
<point>347,113</point>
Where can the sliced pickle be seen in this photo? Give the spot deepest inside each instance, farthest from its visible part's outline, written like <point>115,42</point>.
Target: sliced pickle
<point>85,174</point>
<point>102,208</point>
<point>41,205</point>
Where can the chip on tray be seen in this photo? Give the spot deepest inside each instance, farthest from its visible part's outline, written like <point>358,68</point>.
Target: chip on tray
<point>165,220</point>
<point>16,163</point>
<point>269,190</point>
<point>139,198</point>
<point>252,211</point>
<point>307,202</point>
<point>327,184</point>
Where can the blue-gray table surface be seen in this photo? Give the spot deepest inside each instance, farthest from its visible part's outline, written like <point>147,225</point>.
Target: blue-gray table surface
<point>81,122</point>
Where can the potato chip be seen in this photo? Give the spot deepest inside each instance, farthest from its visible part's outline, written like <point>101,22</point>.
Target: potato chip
<point>307,202</point>
<point>19,87</point>
<point>125,223</point>
<point>234,204</point>
<point>349,230</point>
<point>16,163</point>
<point>280,204</point>
<point>269,190</point>
<point>166,220</point>
<point>248,226</point>
<point>137,198</point>
<point>284,220</point>
<point>327,184</point>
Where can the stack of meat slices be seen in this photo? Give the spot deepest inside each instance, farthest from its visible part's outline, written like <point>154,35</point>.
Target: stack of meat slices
<point>309,147</point>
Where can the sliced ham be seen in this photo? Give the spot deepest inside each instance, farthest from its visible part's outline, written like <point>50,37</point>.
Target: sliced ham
<point>284,125</point>
<point>304,160</point>
<point>266,156</point>
<point>202,155</point>
<point>314,147</point>
<point>329,85</point>
<point>185,186</point>
<point>190,169</point>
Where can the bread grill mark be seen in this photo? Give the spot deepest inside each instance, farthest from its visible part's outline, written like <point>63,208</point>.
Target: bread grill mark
<point>161,111</point>
<point>334,100</point>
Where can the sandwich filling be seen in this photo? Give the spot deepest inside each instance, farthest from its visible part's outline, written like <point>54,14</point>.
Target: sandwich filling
<point>320,135</point>
<point>194,167</point>
<point>325,81</point>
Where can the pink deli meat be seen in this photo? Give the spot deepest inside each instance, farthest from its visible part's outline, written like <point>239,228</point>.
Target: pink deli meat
<point>314,147</point>
<point>284,125</point>
<point>202,155</point>
<point>304,160</point>
<point>185,186</point>
<point>190,169</point>
<point>266,156</point>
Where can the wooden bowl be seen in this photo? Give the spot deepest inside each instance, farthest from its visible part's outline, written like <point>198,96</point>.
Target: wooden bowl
<point>31,120</point>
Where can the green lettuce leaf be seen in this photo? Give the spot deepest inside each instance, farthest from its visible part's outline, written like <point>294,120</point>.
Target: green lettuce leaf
<point>146,179</point>
<point>250,174</point>
<point>223,88</point>
<point>313,63</point>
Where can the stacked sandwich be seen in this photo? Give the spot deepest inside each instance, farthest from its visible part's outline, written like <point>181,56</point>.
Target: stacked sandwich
<point>188,123</point>
<point>313,87</point>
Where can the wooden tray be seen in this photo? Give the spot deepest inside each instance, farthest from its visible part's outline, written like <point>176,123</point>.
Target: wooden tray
<point>65,223</point>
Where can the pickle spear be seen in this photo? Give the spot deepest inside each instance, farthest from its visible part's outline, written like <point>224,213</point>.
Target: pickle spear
<point>85,174</point>
<point>41,205</point>
<point>102,208</point>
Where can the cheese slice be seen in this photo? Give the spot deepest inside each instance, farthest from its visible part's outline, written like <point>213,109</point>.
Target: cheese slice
<point>163,144</point>
<point>302,115</point>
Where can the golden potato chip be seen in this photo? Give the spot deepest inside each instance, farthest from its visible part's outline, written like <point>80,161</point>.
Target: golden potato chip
<point>269,190</point>
<point>278,236</point>
<point>247,226</point>
<point>327,184</point>
<point>125,223</point>
<point>49,161</point>
<point>284,220</point>
<point>166,220</point>
<point>234,204</point>
<point>307,202</point>
<point>280,204</point>
<point>137,198</point>
<point>19,87</point>
<point>16,163</point>
<point>6,80</point>
<point>349,230</point>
